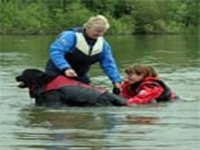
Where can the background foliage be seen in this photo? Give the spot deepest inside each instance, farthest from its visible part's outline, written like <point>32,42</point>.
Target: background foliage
<point>126,16</point>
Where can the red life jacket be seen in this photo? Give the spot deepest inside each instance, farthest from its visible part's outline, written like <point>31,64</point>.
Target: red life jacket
<point>161,93</point>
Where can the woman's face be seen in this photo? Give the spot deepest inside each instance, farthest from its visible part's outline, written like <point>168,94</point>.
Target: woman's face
<point>95,32</point>
<point>133,78</point>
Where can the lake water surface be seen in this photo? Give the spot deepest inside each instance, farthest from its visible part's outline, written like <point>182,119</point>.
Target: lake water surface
<point>172,126</point>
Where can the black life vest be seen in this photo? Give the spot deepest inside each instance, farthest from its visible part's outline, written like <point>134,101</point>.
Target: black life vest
<point>167,93</point>
<point>85,53</point>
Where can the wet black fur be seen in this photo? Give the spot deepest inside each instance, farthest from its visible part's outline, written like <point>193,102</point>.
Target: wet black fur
<point>64,96</point>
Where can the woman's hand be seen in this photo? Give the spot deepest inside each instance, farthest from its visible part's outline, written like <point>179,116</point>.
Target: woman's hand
<point>70,73</point>
<point>116,88</point>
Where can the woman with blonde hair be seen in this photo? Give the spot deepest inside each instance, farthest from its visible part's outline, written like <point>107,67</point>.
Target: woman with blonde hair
<point>75,50</point>
<point>142,86</point>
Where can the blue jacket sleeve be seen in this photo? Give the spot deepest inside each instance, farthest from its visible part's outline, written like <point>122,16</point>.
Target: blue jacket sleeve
<point>108,64</point>
<point>63,44</point>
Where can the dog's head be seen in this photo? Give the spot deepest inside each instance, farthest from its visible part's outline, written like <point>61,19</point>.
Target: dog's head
<point>29,77</point>
<point>32,77</point>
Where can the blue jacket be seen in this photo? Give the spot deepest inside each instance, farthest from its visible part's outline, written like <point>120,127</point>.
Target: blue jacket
<point>65,44</point>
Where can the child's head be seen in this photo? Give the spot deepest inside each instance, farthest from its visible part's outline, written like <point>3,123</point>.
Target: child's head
<point>137,73</point>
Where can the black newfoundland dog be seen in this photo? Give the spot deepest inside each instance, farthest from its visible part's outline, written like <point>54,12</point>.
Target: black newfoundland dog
<point>62,91</point>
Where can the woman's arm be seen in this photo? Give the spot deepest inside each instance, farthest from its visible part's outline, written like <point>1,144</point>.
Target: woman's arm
<point>60,47</point>
<point>108,64</point>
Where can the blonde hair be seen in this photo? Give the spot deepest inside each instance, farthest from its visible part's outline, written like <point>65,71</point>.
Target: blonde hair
<point>97,21</point>
<point>145,70</point>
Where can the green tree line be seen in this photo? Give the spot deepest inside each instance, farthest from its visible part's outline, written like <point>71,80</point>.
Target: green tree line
<point>125,16</point>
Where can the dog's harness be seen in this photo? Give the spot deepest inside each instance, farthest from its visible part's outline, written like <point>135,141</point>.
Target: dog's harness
<point>61,81</point>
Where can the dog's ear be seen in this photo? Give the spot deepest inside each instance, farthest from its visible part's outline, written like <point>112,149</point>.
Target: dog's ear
<point>45,78</point>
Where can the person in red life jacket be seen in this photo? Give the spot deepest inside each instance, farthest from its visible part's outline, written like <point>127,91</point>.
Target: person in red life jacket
<point>76,49</point>
<point>143,86</point>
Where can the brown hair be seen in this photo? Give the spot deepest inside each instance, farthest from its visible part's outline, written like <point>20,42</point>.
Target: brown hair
<point>145,70</point>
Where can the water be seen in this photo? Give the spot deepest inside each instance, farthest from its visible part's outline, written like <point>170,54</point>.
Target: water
<point>173,126</point>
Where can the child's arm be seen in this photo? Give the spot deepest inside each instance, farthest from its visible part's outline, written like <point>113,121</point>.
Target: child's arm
<point>124,91</point>
<point>146,95</point>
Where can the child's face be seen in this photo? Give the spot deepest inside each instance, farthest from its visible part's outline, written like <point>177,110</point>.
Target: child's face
<point>133,78</point>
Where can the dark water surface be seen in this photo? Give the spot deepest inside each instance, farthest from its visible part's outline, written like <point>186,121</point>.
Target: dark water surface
<point>174,126</point>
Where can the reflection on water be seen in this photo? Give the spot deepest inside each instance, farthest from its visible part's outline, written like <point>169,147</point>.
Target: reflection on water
<point>147,120</point>
<point>173,126</point>
<point>144,127</point>
<point>65,129</point>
